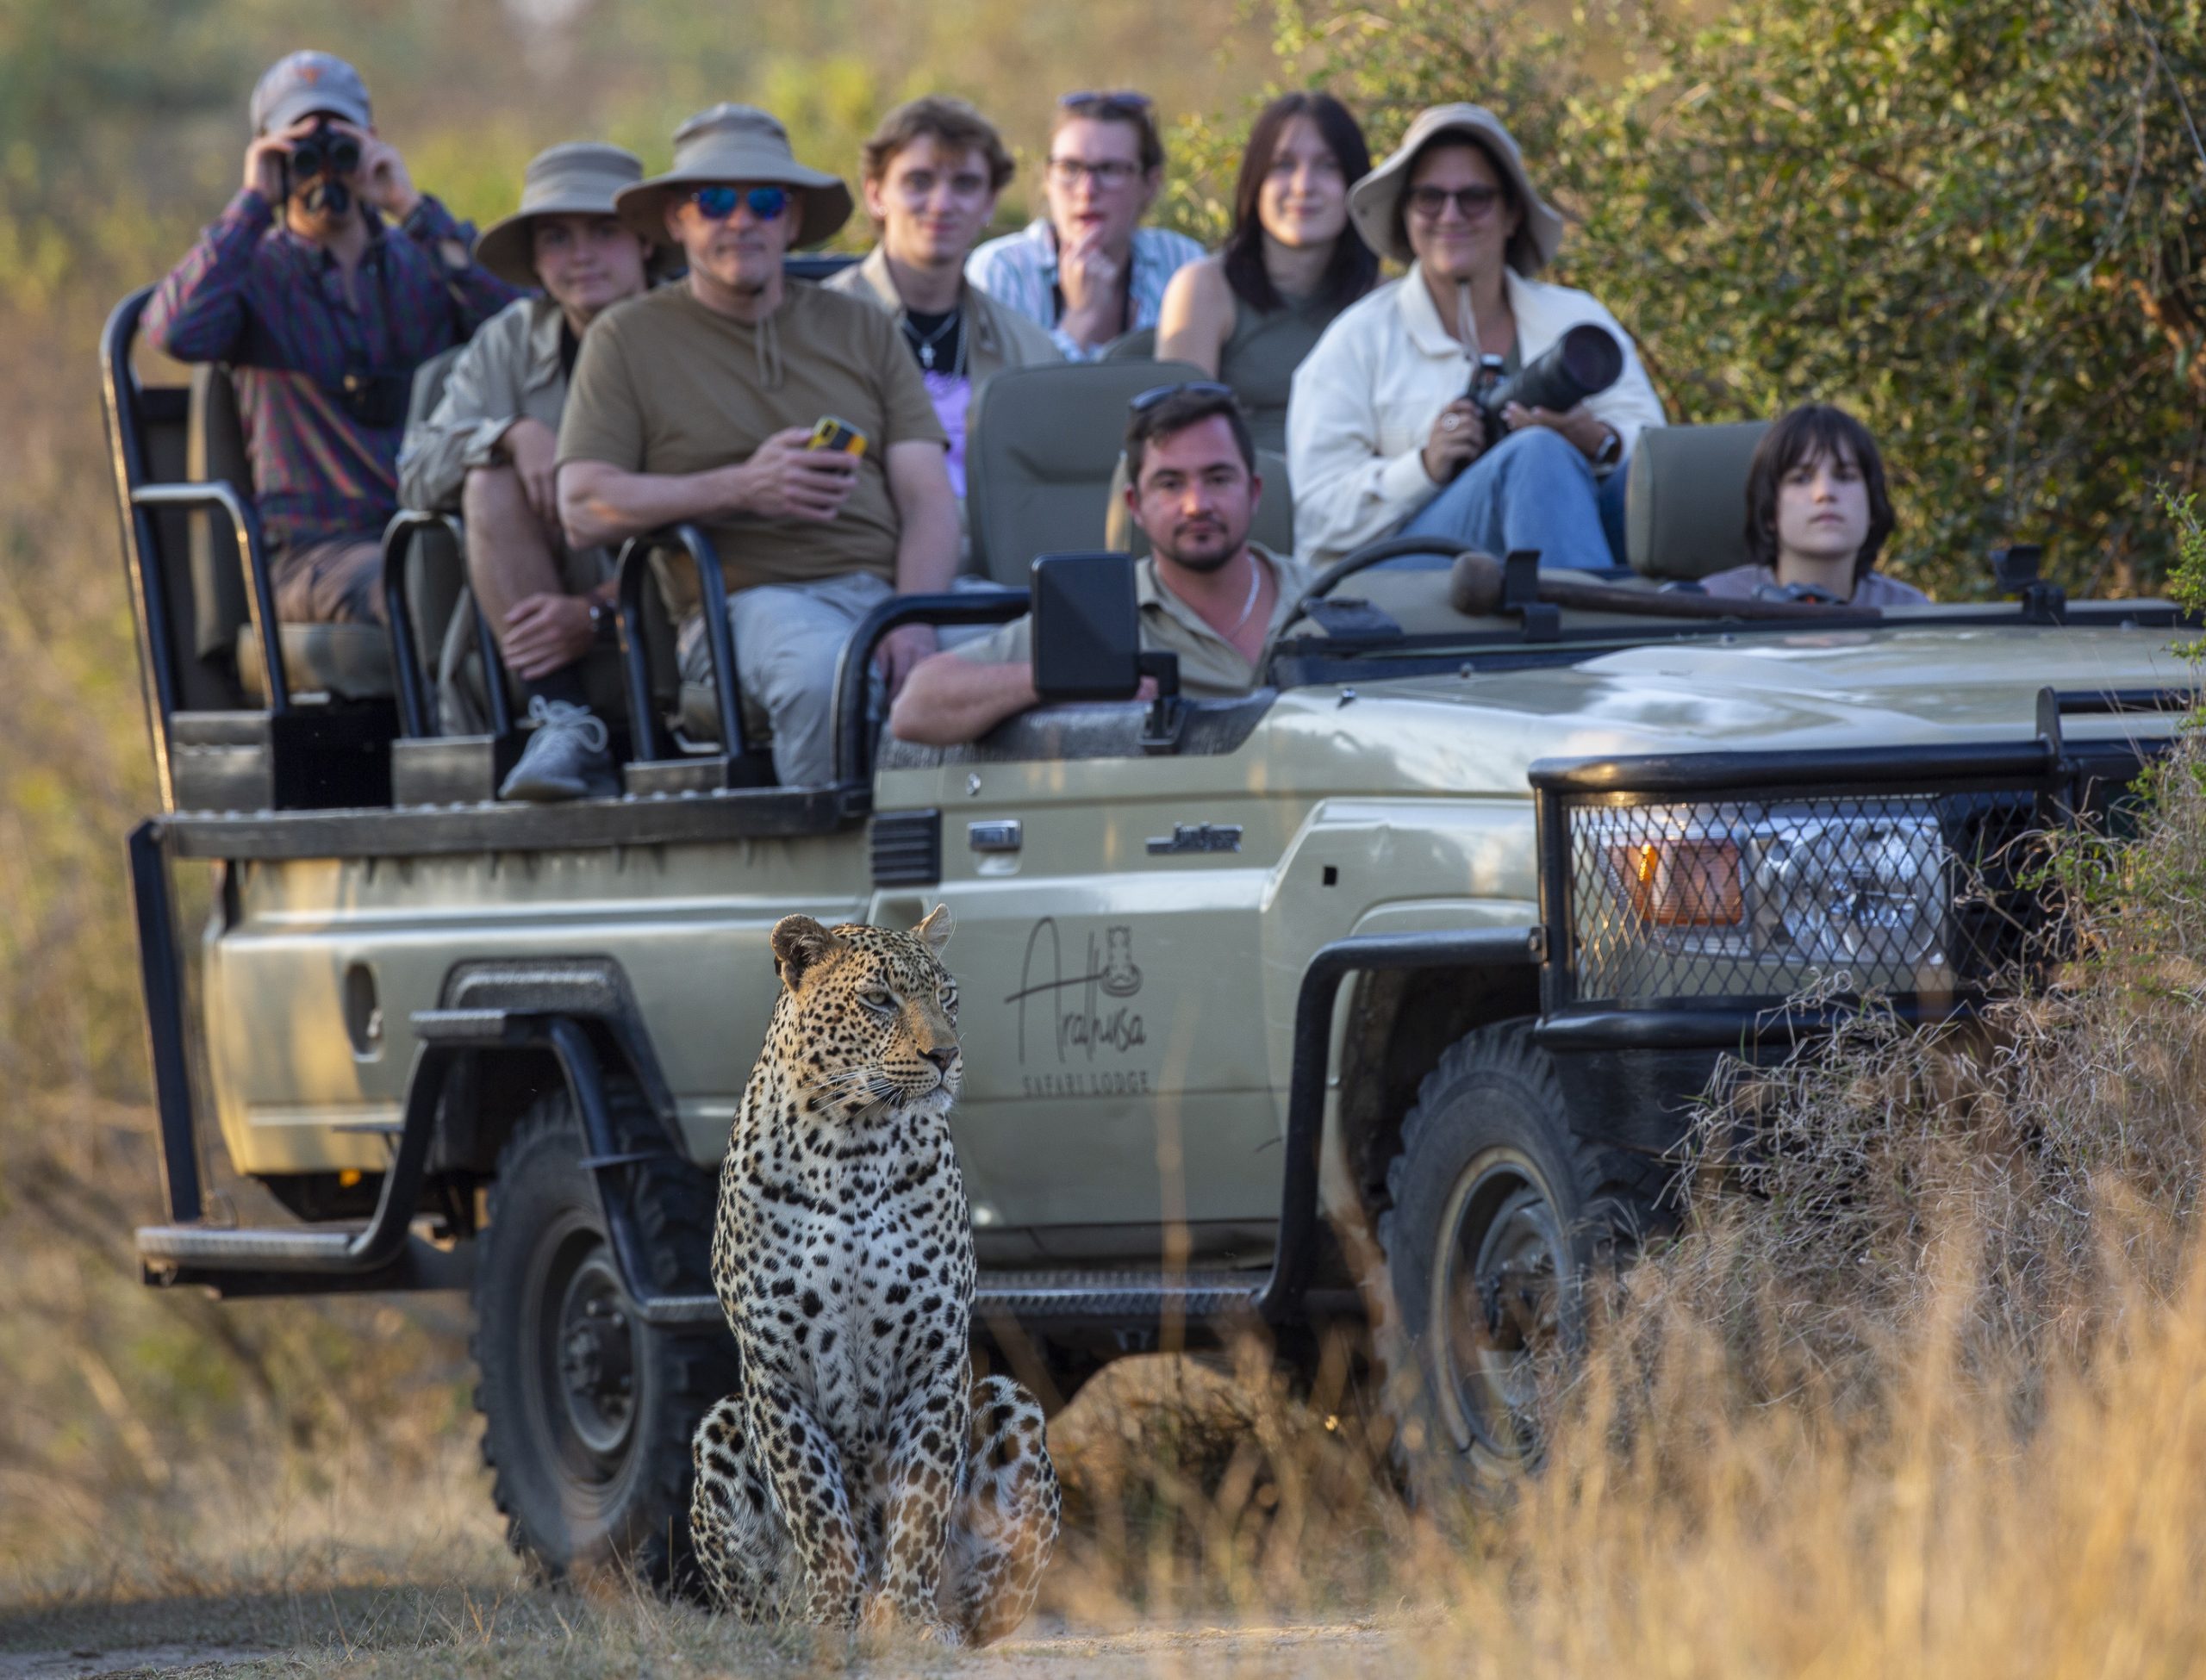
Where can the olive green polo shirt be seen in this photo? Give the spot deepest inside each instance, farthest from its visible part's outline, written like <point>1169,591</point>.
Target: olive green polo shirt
<point>1210,667</point>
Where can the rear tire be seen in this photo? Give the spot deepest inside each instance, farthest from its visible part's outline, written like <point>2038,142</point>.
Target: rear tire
<point>588,1411</point>
<point>1500,1212</point>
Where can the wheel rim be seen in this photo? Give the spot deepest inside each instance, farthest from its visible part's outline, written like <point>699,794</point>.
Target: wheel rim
<point>583,1343</point>
<point>1497,1304</point>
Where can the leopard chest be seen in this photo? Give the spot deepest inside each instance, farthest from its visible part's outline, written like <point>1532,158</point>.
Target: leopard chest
<point>856,1265</point>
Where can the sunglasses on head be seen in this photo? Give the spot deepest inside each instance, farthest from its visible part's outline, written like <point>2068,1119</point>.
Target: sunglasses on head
<point>1156,394</point>
<point>718,203</point>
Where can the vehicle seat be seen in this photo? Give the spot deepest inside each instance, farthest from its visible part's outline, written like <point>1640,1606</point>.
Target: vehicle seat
<point>1043,444</point>
<point>350,661</point>
<point>1273,527</point>
<point>1684,507</point>
<point>1138,345</point>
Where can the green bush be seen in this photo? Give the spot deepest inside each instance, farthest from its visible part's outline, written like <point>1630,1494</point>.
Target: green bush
<point>1979,224</point>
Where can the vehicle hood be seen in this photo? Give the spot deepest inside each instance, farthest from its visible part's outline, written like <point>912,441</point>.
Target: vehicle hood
<point>1803,691</point>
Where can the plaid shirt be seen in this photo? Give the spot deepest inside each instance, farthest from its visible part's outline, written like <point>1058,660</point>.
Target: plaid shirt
<point>1021,270</point>
<point>272,305</point>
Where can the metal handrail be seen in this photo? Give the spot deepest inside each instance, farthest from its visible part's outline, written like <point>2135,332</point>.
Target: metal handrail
<point>720,640</point>
<point>253,560</point>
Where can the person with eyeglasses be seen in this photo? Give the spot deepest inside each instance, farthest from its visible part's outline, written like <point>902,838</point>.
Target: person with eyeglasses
<point>931,175</point>
<point>697,402</point>
<point>1382,436</point>
<point>322,317</point>
<point>1089,272</point>
<point>1206,592</point>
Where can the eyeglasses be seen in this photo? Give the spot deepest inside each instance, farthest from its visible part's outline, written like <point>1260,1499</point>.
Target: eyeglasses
<point>718,203</point>
<point>1123,102</point>
<point>1471,202</point>
<point>1159,394</point>
<point>1111,172</point>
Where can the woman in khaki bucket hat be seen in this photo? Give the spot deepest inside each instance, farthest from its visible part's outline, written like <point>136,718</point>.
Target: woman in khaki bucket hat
<point>489,450</point>
<point>1381,437</point>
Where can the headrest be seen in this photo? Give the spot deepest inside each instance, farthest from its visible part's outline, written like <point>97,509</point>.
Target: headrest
<point>1684,507</point>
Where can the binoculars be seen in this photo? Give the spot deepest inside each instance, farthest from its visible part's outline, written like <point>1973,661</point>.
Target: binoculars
<point>1584,362</point>
<point>325,151</point>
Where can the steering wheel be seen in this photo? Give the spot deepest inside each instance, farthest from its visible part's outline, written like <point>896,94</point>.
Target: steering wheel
<point>1371,554</point>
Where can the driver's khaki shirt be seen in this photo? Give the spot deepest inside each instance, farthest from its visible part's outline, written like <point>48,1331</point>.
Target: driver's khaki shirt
<point>1210,667</point>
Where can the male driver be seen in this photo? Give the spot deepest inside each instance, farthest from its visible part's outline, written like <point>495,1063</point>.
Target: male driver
<point>696,402</point>
<point>487,451</point>
<point>324,317</point>
<point>1206,592</point>
<point>1090,273</point>
<point>932,170</point>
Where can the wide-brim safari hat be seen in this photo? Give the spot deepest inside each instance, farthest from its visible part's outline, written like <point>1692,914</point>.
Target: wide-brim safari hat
<point>583,177</point>
<point>1372,203</point>
<point>738,144</point>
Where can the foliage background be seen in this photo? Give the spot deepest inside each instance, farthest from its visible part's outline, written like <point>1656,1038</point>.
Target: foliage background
<point>1980,223</point>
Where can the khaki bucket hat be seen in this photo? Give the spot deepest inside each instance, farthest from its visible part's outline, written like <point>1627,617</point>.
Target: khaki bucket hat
<point>1373,201</point>
<point>581,178</point>
<point>739,145</point>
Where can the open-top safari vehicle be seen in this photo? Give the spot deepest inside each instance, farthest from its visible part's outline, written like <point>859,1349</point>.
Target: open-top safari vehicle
<point>1380,991</point>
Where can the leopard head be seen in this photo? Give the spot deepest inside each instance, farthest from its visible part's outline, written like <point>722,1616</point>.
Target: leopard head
<point>869,1015</point>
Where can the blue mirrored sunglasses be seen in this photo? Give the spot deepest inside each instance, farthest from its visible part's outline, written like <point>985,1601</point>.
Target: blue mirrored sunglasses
<point>718,203</point>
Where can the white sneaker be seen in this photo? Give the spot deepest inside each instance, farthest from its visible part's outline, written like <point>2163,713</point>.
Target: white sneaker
<point>569,756</point>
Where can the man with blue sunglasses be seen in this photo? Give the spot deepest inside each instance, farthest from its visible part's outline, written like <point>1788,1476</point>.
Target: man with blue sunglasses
<point>697,402</point>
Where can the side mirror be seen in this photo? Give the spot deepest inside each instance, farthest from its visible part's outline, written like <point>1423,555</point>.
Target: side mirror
<point>1087,627</point>
<point>1087,642</point>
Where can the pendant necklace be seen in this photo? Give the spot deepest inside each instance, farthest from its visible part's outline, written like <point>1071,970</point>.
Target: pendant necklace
<point>925,345</point>
<point>1255,582</point>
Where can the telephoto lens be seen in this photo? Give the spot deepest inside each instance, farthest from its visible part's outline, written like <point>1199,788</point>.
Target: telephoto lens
<point>1584,362</point>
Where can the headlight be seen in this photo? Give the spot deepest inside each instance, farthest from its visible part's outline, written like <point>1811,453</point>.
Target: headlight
<point>1774,888</point>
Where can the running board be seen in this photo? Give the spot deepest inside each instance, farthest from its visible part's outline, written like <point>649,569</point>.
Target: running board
<point>1061,1299</point>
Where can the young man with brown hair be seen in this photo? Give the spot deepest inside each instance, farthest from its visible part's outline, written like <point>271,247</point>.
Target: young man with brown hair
<point>1206,593</point>
<point>697,402</point>
<point>1088,271</point>
<point>932,171</point>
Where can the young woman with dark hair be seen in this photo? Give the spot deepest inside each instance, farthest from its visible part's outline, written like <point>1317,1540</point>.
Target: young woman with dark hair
<point>1817,515</point>
<point>1250,313</point>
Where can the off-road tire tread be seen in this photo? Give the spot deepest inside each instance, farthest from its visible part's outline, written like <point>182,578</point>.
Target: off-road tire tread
<point>1628,1187</point>
<point>673,1204</point>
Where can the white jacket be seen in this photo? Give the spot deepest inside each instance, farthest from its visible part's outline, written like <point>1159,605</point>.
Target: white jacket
<point>1365,399</point>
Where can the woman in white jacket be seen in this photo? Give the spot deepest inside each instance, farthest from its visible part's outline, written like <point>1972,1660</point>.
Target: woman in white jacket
<point>1381,437</point>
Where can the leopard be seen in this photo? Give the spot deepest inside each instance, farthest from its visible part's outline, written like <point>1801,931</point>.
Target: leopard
<point>861,1475</point>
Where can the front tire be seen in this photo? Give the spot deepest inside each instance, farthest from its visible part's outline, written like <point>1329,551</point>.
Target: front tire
<point>1500,1212</point>
<point>588,1411</point>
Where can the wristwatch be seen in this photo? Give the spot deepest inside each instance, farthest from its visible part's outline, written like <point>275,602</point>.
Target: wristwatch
<point>1612,447</point>
<point>604,622</point>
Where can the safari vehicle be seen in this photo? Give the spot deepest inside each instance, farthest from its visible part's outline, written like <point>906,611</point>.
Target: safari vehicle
<point>1378,994</point>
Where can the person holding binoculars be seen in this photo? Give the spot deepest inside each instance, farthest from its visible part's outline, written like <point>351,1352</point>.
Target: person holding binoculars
<point>1468,399</point>
<point>323,317</point>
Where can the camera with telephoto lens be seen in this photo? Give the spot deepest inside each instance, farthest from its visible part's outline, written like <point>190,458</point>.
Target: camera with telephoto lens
<point>1584,362</point>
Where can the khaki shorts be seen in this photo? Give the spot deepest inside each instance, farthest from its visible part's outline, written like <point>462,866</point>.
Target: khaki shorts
<point>338,581</point>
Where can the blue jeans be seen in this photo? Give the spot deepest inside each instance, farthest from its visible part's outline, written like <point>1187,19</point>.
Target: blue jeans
<point>1533,489</point>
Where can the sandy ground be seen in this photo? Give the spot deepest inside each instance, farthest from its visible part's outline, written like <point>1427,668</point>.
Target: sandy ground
<point>1309,1651</point>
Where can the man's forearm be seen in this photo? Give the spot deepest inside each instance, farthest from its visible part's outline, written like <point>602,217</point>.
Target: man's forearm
<point>950,700</point>
<point>926,541</point>
<point>600,505</point>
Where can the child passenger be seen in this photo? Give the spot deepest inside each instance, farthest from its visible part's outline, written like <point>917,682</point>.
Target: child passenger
<point>1817,515</point>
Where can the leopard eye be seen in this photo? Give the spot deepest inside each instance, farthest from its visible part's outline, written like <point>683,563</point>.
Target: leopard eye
<point>950,1000</point>
<point>878,998</point>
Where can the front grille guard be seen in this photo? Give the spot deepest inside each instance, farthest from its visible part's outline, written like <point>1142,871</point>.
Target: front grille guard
<point>1712,880</point>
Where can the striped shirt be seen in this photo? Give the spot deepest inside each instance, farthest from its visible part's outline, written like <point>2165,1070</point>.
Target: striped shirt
<point>1021,270</point>
<point>272,305</point>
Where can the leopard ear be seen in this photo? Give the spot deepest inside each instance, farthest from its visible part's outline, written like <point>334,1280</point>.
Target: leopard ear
<point>800,944</point>
<point>936,929</point>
